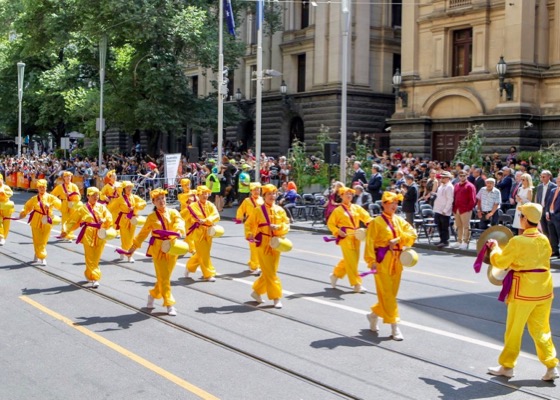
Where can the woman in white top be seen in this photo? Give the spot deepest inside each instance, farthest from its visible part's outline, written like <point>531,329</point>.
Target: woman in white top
<point>524,195</point>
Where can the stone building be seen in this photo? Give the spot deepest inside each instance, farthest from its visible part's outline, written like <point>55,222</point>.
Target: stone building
<point>451,49</point>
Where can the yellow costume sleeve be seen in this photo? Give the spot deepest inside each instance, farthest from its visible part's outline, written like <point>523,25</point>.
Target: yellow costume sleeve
<point>212,214</point>
<point>151,224</point>
<point>177,222</point>
<point>58,191</point>
<point>139,203</point>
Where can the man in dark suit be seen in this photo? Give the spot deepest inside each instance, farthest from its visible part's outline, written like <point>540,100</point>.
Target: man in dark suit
<point>553,217</point>
<point>544,198</point>
<point>361,197</point>
<point>410,197</point>
<point>375,183</point>
<point>359,177</point>
<point>504,186</point>
<point>479,181</point>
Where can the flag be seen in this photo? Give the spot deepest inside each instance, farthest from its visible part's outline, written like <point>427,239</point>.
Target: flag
<point>260,13</point>
<point>229,17</point>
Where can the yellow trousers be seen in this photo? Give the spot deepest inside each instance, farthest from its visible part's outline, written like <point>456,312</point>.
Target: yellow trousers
<point>127,232</point>
<point>93,256</point>
<point>268,282</point>
<point>67,213</point>
<point>4,226</point>
<point>349,263</point>
<point>164,266</point>
<point>202,259</point>
<point>537,318</point>
<point>40,239</point>
<point>253,262</point>
<point>387,287</point>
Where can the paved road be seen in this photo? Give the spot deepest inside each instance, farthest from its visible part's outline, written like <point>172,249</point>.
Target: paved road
<point>62,339</point>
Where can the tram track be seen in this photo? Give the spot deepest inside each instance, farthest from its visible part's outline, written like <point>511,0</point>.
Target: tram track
<point>255,357</point>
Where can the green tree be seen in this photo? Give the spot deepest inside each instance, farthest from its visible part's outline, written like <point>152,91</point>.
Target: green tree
<point>470,147</point>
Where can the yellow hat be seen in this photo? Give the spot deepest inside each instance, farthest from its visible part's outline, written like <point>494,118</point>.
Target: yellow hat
<point>157,192</point>
<point>269,188</point>
<point>1,176</point>
<point>125,184</point>
<point>389,197</point>
<point>532,211</point>
<point>185,182</point>
<point>343,190</point>
<point>91,190</point>
<point>111,173</point>
<point>245,166</point>
<point>254,185</point>
<point>67,173</point>
<point>202,189</point>
<point>41,182</point>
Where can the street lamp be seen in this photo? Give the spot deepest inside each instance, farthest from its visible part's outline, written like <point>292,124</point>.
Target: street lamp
<point>501,69</point>
<point>286,100</point>
<point>101,125</point>
<point>397,82</point>
<point>21,69</point>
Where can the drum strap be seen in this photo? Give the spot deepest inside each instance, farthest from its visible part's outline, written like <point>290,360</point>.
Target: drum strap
<point>44,211</point>
<point>383,250</point>
<point>129,215</point>
<point>85,225</point>
<point>508,282</point>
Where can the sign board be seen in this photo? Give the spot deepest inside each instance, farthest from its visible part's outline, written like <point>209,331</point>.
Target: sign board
<point>65,143</point>
<point>97,125</point>
<point>172,164</point>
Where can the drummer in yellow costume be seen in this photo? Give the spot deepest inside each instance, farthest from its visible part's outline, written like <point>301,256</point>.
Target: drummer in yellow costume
<point>110,192</point>
<point>128,205</point>
<point>69,194</point>
<point>159,222</point>
<point>91,217</point>
<point>343,223</point>
<point>187,197</point>
<point>267,221</point>
<point>200,216</point>
<point>40,207</point>
<point>386,236</point>
<point>528,291</point>
<point>243,212</point>
<point>6,210</point>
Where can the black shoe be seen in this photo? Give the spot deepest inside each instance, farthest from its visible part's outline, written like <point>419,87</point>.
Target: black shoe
<point>555,255</point>
<point>442,244</point>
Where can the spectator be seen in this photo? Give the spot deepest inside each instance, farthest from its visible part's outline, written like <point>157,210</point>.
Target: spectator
<point>244,182</point>
<point>410,197</point>
<point>515,187</point>
<point>375,183</point>
<point>524,195</point>
<point>430,191</point>
<point>464,200</point>
<point>361,197</point>
<point>504,186</point>
<point>443,207</point>
<point>554,218</point>
<point>544,198</point>
<point>512,156</point>
<point>289,200</point>
<point>333,199</point>
<point>479,181</point>
<point>359,177</point>
<point>488,203</point>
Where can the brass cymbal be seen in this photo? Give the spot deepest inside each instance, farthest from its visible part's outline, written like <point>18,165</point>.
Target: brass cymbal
<point>500,233</point>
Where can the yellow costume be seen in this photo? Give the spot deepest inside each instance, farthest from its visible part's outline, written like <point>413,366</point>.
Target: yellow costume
<point>69,194</point>
<point>187,197</point>
<point>110,193</point>
<point>243,212</point>
<point>348,218</point>
<point>164,264</point>
<point>198,218</point>
<point>6,210</point>
<point>127,207</point>
<point>259,226</point>
<point>389,267</point>
<point>41,206</point>
<point>91,219</point>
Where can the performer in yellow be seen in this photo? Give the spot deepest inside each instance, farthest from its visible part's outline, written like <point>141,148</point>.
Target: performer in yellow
<point>199,217</point>
<point>187,197</point>
<point>91,217</point>
<point>128,205</point>
<point>386,237</point>
<point>243,212</point>
<point>40,207</point>
<point>343,223</point>
<point>163,224</point>
<point>69,194</point>
<point>110,192</point>
<point>265,222</point>
<point>6,210</point>
<point>529,290</point>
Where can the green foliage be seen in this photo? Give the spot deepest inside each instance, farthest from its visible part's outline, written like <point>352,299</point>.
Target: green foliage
<point>304,171</point>
<point>545,158</point>
<point>470,147</point>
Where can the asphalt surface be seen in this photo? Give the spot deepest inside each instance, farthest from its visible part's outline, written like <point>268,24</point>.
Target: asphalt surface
<point>63,340</point>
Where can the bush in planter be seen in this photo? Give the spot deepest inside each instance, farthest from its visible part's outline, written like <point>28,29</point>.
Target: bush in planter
<point>545,158</point>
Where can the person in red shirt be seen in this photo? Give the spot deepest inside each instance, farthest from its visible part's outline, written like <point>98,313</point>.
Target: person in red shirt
<point>464,200</point>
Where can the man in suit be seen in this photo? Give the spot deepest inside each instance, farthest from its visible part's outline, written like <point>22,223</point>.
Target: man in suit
<point>504,186</point>
<point>479,181</point>
<point>410,197</point>
<point>361,197</point>
<point>554,218</point>
<point>359,177</point>
<point>544,198</point>
<point>375,183</point>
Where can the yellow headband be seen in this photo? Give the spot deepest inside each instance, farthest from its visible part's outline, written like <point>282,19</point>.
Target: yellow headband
<point>389,197</point>
<point>269,188</point>
<point>185,182</point>
<point>202,189</point>
<point>125,184</point>
<point>41,182</point>
<point>254,185</point>
<point>67,173</point>
<point>111,173</point>
<point>157,192</point>
<point>91,190</point>
<point>342,191</point>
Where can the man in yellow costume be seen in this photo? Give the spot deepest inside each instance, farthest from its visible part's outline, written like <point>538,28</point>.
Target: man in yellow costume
<point>128,205</point>
<point>41,209</point>
<point>265,222</point>
<point>528,291</point>
<point>110,192</point>
<point>199,217</point>
<point>69,195</point>
<point>343,223</point>
<point>387,235</point>
<point>243,212</point>
<point>187,197</point>
<point>6,210</point>
<point>91,217</point>
<point>163,224</point>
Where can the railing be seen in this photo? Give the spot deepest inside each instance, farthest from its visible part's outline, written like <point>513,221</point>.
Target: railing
<point>459,3</point>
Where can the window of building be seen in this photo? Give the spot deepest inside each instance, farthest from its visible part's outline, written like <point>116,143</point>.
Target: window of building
<point>396,13</point>
<point>462,52</point>
<point>253,32</point>
<point>194,85</point>
<point>301,73</point>
<point>396,62</point>
<point>231,84</point>
<point>253,81</point>
<point>304,14</point>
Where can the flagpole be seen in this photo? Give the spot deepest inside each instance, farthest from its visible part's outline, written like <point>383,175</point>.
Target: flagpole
<point>220,82</point>
<point>260,20</point>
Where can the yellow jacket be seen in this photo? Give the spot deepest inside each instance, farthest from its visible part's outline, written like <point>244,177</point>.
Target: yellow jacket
<point>257,224</point>
<point>109,193</point>
<point>32,205</point>
<point>340,218</point>
<point>84,216</point>
<point>246,208</point>
<point>184,199</point>
<point>135,204</point>
<point>173,222</point>
<point>198,218</point>
<point>59,192</point>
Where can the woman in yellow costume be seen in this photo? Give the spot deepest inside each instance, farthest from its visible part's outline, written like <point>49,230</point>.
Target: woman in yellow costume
<point>343,223</point>
<point>243,212</point>
<point>200,216</point>
<point>91,217</point>
<point>264,223</point>
<point>128,205</point>
<point>40,207</point>
<point>187,197</point>
<point>6,210</point>
<point>110,192</point>
<point>386,237</point>
<point>163,224</point>
<point>69,195</point>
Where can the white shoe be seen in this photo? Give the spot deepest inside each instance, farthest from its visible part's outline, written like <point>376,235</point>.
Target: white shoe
<point>122,257</point>
<point>333,281</point>
<point>2,242</point>
<point>373,322</point>
<point>211,279</point>
<point>35,259</point>
<point>150,303</point>
<point>455,245</point>
<point>256,272</point>
<point>359,288</point>
<point>171,311</point>
<point>277,303</point>
<point>463,246</point>
<point>396,333</point>
<point>95,284</point>
<point>187,274</point>
<point>257,297</point>
<point>44,262</point>
<point>130,260</point>
<point>551,374</point>
<point>501,371</point>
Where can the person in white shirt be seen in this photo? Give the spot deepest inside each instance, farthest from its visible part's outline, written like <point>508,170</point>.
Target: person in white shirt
<point>443,208</point>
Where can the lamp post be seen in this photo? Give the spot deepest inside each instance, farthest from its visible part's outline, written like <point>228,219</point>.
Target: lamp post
<point>346,6</point>
<point>397,82</point>
<point>501,69</point>
<point>102,60</point>
<point>21,69</point>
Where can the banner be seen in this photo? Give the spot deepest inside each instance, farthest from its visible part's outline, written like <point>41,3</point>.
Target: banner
<point>172,164</point>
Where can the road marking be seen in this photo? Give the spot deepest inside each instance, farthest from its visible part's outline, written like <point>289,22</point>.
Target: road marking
<point>410,324</point>
<point>134,357</point>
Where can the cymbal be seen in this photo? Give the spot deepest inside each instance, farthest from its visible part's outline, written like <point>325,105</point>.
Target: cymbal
<point>500,233</point>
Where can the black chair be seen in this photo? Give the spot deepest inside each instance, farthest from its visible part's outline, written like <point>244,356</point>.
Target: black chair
<point>428,225</point>
<point>374,209</point>
<point>506,220</point>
